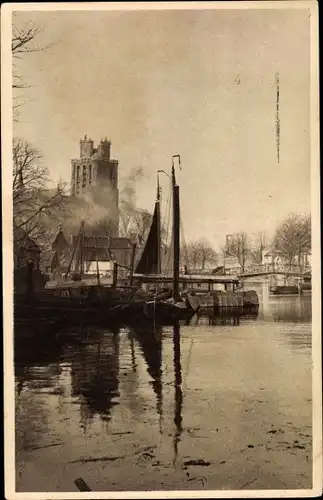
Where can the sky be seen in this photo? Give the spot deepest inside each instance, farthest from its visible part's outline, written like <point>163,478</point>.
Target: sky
<point>199,83</point>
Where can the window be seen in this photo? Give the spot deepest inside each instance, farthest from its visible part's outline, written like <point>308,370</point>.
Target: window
<point>78,171</point>
<point>84,176</point>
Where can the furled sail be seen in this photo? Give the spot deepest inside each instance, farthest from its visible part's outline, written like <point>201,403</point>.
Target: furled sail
<point>149,261</point>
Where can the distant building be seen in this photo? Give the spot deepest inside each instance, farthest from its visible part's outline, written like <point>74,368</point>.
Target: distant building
<point>104,251</point>
<point>26,253</point>
<point>231,263</point>
<point>272,256</point>
<point>97,173</point>
<point>275,257</point>
<point>26,250</point>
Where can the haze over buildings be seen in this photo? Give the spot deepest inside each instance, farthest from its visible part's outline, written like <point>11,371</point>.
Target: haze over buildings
<point>95,173</point>
<point>196,83</point>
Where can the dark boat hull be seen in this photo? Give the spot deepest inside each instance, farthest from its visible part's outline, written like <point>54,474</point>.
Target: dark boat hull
<point>284,290</point>
<point>167,310</point>
<point>66,310</point>
<point>236,301</point>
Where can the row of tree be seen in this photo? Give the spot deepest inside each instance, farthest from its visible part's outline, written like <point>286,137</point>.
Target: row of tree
<point>291,242</point>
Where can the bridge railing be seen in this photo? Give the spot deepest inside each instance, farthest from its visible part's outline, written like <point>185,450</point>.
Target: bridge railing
<point>267,268</point>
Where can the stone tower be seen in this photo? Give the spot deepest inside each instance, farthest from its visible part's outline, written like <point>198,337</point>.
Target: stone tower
<point>96,174</point>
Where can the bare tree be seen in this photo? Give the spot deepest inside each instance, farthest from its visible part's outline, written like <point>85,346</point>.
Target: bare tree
<point>293,237</point>
<point>141,224</point>
<point>25,40</point>
<point>207,253</point>
<point>192,255</point>
<point>132,220</point>
<point>35,204</point>
<point>200,253</point>
<point>125,218</point>
<point>258,246</point>
<point>238,246</point>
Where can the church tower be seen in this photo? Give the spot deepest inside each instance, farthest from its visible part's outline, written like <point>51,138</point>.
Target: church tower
<point>96,173</point>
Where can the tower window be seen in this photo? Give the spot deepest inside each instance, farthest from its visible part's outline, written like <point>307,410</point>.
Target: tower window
<point>90,172</point>
<point>78,171</point>
<point>84,176</point>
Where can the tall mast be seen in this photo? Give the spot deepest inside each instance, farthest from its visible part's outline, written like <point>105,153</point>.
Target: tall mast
<point>82,249</point>
<point>176,233</point>
<point>158,228</point>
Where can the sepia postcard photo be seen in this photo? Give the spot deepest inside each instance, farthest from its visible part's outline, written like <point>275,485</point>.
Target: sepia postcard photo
<point>161,250</point>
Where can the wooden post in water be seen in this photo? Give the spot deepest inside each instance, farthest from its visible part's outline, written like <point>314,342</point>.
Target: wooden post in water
<point>115,275</point>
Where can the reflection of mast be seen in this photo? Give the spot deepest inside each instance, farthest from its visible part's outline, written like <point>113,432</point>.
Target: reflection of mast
<point>158,385</point>
<point>151,347</point>
<point>132,350</point>
<point>178,389</point>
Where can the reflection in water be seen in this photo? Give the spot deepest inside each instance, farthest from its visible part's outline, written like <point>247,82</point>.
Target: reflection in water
<point>103,373</point>
<point>225,318</point>
<point>295,309</point>
<point>178,389</point>
<point>150,342</point>
<point>299,309</point>
<point>95,377</point>
<point>132,350</point>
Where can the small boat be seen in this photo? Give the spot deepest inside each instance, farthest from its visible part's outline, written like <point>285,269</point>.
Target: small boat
<point>306,288</point>
<point>168,309</point>
<point>284,290</point>
<point>183,295</point>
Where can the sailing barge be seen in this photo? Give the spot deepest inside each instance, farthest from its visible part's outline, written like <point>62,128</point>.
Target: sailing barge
<point>184,294</point>
<point>168,302</point>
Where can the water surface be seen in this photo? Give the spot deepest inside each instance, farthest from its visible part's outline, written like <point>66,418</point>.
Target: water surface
<point>221,403</point>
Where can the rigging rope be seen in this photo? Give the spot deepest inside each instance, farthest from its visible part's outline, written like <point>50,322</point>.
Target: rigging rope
<point>168,253</point>
<point>185,246</point>
<point>166,223</point>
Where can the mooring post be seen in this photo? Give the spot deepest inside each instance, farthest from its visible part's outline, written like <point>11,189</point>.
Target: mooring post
<point>115,275</point>
<point>81,485</point>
